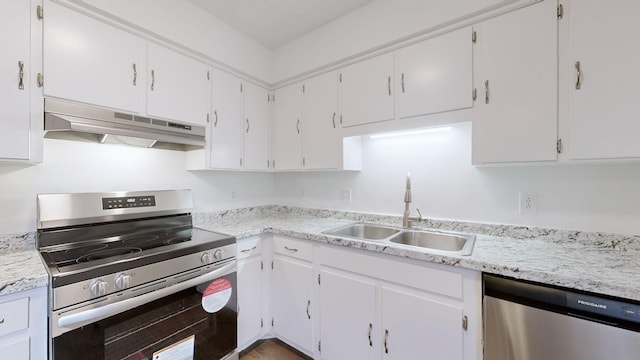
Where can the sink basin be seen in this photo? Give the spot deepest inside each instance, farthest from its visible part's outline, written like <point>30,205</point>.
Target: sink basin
<point>364,231</point>
<point>453,243</point>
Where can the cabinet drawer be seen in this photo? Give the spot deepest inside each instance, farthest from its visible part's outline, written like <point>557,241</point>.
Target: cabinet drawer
<point>249,247</point>
<point>294,248</point>
<point>14,316</point>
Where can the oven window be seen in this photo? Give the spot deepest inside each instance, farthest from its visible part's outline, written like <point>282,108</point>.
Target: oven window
<point>174,322</point>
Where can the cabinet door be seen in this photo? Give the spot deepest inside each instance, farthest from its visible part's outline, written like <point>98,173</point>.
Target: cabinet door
<point>15,88</point>
<point>435,75</point>
<point>227,123</point>
<point>516,115</point>
<point>366,91</point>
<point>287,142</point>
<point>320,145</point>
<point>292,290</point>
<point>91,62</point>
<point>179,87</point>
<point>418,327</point>
<point>256,127</point>
<point>348,328</point>
<point>16,349</point>
<point>603,111</point>
<point>249,300</point>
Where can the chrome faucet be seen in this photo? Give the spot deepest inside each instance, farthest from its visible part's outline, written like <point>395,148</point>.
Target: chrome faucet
<point>407,218</point>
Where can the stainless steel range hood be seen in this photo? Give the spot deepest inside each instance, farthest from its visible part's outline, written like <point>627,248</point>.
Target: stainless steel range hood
<point>67,120</point>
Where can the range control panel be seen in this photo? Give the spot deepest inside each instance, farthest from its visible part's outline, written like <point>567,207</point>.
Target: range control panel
<point>128,202</point>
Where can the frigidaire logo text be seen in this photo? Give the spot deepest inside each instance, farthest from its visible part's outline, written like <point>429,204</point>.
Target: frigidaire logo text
<point>588,303</point>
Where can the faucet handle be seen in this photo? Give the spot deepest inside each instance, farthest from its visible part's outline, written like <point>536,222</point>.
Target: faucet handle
<point>419,214</point>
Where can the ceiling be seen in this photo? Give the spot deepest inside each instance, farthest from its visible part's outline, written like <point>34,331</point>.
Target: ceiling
<point>276,22</point>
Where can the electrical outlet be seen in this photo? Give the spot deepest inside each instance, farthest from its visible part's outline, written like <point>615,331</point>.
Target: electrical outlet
<point>528,202</point>
<point>346,196</point>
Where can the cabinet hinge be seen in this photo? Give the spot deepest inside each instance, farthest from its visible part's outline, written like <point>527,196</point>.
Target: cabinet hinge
<point>39,12</point>
<point>273,97</point>
<point>474,37</point>
<point>560,11</point>
<point>559,146</point>
<point>303,88</point>
<point>319,346</point>
<point>474,94</point>
<point>465,323</point>
<point>318,279</point>
<point>208,75</point>
<point>240,87</point>
<point>240,162</point>
<point>261,265</point>
<point>40,80</point>
<point>268,98</point>
<point>261,323</point>
<point>304,162</point>
<point>340,78</point>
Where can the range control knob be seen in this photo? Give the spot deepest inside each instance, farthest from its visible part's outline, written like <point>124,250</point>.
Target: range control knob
<point>123,281</point>
<point>98,287</point>
<point>206,258</point>
<point>218,254</point>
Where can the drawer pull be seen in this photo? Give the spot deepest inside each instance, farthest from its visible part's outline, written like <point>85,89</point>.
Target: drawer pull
<point>248,250</point>
<point>291,249</point>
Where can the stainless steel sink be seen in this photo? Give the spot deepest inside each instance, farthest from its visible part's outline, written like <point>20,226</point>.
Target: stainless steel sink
<point>444,242</point>
<point>462,244</point>
<point>364,231</point>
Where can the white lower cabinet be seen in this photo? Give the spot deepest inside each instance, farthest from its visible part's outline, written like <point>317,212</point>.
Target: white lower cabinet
<point>292,291</point>
<point>373,307</point>
<point>250,291</point>
<point>23,325</point>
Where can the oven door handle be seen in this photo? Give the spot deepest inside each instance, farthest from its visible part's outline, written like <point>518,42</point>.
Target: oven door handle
<point>89,316</point>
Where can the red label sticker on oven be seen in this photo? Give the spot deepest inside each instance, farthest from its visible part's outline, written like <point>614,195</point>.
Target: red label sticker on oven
<point>216,295</point>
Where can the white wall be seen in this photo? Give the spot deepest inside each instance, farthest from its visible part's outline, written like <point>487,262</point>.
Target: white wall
<point>184,23</point>
<point>71,166</point>
<point>445,185</point>
<point>374,25</point>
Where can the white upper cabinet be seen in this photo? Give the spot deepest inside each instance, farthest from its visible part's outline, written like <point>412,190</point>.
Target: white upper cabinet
<point>178,86</point>
<point>366,91</point>
<point>603,71</point>
<point>435,75</point>
<point>91,62</point>
<point>320,136</point>
<point>18,80</point>
<point>256,127</point>
<point>227,121</point>
<point>516,114</point>
<point>286,138</point>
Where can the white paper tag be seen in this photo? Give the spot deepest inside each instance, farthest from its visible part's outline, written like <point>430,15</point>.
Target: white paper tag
<point>216,295</point>
<point>182,350</point>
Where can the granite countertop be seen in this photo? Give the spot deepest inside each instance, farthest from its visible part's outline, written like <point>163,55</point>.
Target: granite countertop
<point>22,268</point>
<point>601,263</point>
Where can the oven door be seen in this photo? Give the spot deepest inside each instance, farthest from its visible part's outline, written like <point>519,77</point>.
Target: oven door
<point>199,322</point>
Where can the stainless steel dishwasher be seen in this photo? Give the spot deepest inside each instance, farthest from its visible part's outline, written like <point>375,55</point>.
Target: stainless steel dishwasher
<point>530,321</point>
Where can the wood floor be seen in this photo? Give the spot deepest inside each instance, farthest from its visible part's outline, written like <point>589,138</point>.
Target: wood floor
<point>272,349</point>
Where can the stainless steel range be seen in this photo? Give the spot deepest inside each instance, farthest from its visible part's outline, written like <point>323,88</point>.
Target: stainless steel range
<point>132,279</point>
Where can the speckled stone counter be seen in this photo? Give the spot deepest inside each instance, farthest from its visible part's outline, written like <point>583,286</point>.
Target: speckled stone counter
<point>602,263</point>
<point>22,268</point>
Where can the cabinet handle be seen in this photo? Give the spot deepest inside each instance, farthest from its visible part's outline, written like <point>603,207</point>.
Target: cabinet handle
<point>334,120</point>
<point>386,337</point>
<point>215,122</point>
<point>298,126</point>
<point>248,250</point>
<point>308,306</point>
<point>402,82</point>
<point>153,79</point>
<point>486,91</point>
<point>135,74</point>
<point>370,330</point>
<point>291,249</point>
<point>389,84</point>
<point>578,76</point>
<point>20,75</point>
<point>247,131</point>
